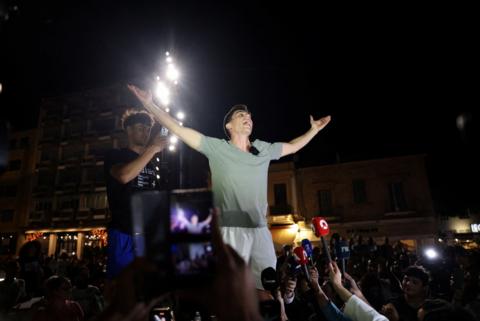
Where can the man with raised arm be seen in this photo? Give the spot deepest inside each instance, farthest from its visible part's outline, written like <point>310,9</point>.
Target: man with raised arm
<point>127,171</point>
<point>239,171</point>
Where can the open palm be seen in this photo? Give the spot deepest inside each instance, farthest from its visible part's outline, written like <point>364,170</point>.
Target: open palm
<point>145,97</point>
<point>321,123</point>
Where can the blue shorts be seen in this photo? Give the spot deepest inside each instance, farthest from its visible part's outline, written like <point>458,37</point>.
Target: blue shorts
<point>122,248</point>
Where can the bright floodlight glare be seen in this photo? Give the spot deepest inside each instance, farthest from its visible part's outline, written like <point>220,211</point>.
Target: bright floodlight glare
<point>172,73</point>
<point>163,93</point>
<point>173,139</point>
<point>181,115</point>
<point>171,148</point>
<point>181,123</point>
<point>431,253</point>
<point>169,60</point>
<point>167,110</point>
<point>167,53</point>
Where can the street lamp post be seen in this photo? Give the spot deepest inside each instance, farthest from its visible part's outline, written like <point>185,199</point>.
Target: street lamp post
<point>164,95</point>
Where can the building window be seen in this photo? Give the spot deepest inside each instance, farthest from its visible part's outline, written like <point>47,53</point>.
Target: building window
<point>66,243</point>
<point>67,204</point>
<point>49,154</point>
<point>281,206</point>
<point>15,165</point>
<point>94,175</point>
<point>325,202</point>
<point>24,142</point>
<point>69,176</point>
<point>46,178</point>
<point>89,175</point>
<point>8,191</point>
<point>36,217</point>
<point>103,126</point>
<point>72,151</point>
<point>13,144</point>
<point>51,131</point>
<point>43,205</point>
<point>94,201</point>
<point>359,191</point>
<point>54,111</point>
<point>6,215</point>
<point>73,129</point>
<point>99,148</point>
<point>280,194</point>
<point>99,175</point>
<point>397,197</point>
<point>87,202</point>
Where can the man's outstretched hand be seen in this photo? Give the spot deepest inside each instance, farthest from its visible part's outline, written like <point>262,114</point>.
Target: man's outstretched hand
<point>145,97</point>
<point>321,123</point>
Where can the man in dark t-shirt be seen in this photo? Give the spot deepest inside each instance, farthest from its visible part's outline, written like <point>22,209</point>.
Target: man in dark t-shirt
<point>415,290</point>
<point>129,170</point>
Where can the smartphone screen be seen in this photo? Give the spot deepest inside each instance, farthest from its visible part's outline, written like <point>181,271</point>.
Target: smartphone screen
<point>175,228</point>
<point>191,233</point>
<point>190,213</point>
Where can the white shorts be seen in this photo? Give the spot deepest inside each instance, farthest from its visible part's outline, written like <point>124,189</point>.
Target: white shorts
<point>255,246</point>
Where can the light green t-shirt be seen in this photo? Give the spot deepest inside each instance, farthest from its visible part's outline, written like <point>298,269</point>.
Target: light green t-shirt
<point>240,180</point>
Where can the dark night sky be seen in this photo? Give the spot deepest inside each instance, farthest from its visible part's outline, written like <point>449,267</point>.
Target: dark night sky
<point>395,84</point>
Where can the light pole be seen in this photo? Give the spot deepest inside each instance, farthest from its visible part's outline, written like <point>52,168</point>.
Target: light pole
<point>164,95</point>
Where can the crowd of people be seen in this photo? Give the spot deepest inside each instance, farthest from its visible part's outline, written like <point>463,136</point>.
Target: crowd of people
<point>381,282</point>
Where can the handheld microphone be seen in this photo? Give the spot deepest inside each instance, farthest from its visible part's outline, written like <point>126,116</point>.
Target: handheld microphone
<point>269,280</point>
<point>270,310</point>
<point>293,266</point>
<point>343,252</point>
<point>307,246</point>
<point>301,257</point>
<point>321,229</point>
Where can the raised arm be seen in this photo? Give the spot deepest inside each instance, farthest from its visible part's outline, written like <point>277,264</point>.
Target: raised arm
<point>125,172</point>
<point>181,218</point>
<point>207,220</point>
<point>298,143</point>
<point>189,136</point>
